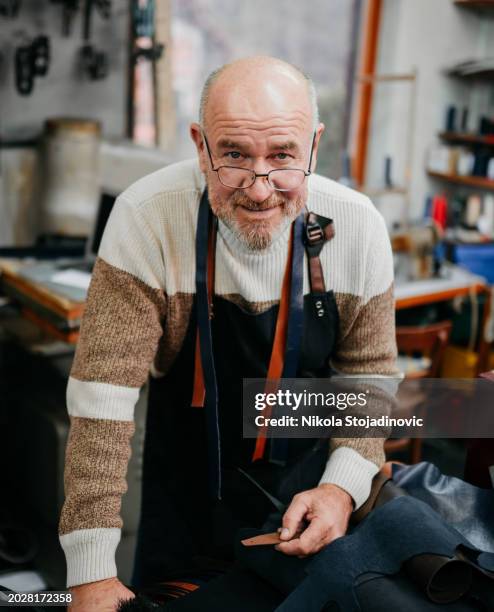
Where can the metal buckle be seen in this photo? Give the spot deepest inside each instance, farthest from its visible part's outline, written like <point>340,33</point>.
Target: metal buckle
<point>314,234</point>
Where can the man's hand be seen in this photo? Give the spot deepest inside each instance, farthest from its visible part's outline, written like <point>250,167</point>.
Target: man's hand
<point>326,509</point>
<point>100,596</point>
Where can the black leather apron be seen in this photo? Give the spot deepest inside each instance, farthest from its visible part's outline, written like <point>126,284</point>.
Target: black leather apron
<point>180,523</point>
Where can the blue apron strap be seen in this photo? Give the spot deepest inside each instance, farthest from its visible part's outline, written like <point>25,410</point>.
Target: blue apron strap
<point>296,316</point>
<point>204,222</point>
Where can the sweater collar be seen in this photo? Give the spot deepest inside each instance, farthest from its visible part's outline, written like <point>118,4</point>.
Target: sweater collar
<point>279,242</point>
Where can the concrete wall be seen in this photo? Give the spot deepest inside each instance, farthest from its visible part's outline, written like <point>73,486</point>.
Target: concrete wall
<point>64,91</point>
<point>425,36</point>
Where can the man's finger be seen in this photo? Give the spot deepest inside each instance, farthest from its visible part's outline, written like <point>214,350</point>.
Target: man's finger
<point>293,517</point>
<point>315,537</point>
<point>290,548</point>
<point>310,541</point>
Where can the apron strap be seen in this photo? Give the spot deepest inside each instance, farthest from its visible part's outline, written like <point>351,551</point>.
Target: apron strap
<point>288,326</point>
<point>288,331</point>
<point>205,243</point>
<point>199,390</point>
<point>279,446</point>
<point>318,231</point>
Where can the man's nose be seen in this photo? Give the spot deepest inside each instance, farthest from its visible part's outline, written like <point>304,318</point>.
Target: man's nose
<point>261,189</point>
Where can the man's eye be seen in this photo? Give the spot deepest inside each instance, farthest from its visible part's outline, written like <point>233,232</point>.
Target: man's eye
<point>233,154</point>
<point>282,156</point>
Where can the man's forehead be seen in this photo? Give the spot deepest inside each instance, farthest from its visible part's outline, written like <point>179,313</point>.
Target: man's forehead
<point>259,97</point>
<point>271,128</point>
<point>260,138</point>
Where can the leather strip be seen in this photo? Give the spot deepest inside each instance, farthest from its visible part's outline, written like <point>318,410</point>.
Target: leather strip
<point>199,391</point>
<point>263,539</point>
<point>276,361</point>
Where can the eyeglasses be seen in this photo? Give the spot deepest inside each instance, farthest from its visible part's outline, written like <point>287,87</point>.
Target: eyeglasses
<point>281,179</point>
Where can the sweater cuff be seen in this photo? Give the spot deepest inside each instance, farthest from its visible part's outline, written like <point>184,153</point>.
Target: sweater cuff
<point>349,470</point>
<point>90,554</point>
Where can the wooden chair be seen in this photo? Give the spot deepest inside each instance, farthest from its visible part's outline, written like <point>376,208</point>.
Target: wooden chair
<point>429,341</point>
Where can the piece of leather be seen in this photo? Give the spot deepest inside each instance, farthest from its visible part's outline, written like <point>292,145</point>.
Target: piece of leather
<point>442,579</point>
<point>263,539</point>
<point>379,544</point>
<point>469,509</point>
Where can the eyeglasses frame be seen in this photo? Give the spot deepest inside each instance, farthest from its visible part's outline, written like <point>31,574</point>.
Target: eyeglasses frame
<point>307,172</point>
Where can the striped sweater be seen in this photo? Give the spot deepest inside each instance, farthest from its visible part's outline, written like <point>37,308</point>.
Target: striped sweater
<point>137,312</point>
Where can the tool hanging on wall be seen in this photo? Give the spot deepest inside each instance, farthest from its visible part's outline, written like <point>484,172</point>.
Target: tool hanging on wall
<point>41,55</point>
<point>143,22</point>
<point>144,54</point>
<point>10,8</point>
<point>69,10</point>
<point>24,76</point>
<point>94,61</point>
<point>31,60</point>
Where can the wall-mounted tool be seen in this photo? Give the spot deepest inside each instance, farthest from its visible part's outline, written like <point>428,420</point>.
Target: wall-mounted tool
<point>10,8</point>
<point>41,55</point>
<point>144,31</point>
<point>151,54</point>
<point>24,76</point>
<point>31,60</point>
<point>94,62</point>
<point>388,172</point>
<point>144,55</point>
<point>69,10</point>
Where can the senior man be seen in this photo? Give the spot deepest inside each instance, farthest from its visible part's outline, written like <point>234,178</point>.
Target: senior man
<point>192,284</point>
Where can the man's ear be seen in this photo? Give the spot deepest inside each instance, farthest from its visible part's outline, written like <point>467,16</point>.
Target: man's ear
<point>319,130</point>
<point>196,135</point>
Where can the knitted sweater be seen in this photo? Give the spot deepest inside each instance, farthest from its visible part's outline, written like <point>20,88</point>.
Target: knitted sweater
<point>137,311</point>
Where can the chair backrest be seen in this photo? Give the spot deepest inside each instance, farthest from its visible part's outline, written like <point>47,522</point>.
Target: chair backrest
<point>428,340</point>
<point>479,462</point>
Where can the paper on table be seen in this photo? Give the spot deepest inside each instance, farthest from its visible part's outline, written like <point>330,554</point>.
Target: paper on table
<point>72,278</point>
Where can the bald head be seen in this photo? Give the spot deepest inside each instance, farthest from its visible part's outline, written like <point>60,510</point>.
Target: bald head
<point>256,83</point>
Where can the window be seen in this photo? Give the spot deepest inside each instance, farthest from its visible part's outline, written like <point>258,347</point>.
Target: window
<point>316,36</point>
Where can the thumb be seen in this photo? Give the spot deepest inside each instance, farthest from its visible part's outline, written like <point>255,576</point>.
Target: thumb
<point>293,518</point>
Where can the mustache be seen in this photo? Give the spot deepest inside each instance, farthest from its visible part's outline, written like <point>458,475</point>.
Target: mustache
<point>239,198</point>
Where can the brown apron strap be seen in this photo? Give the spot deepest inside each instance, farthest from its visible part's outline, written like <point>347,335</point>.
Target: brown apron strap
<point>199,391</point>
<point>276,361</point>
<point>319,230</point>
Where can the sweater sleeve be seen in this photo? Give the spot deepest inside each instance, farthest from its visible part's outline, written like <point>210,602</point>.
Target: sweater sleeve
<point>119,334</point>
<point>366,349</point>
